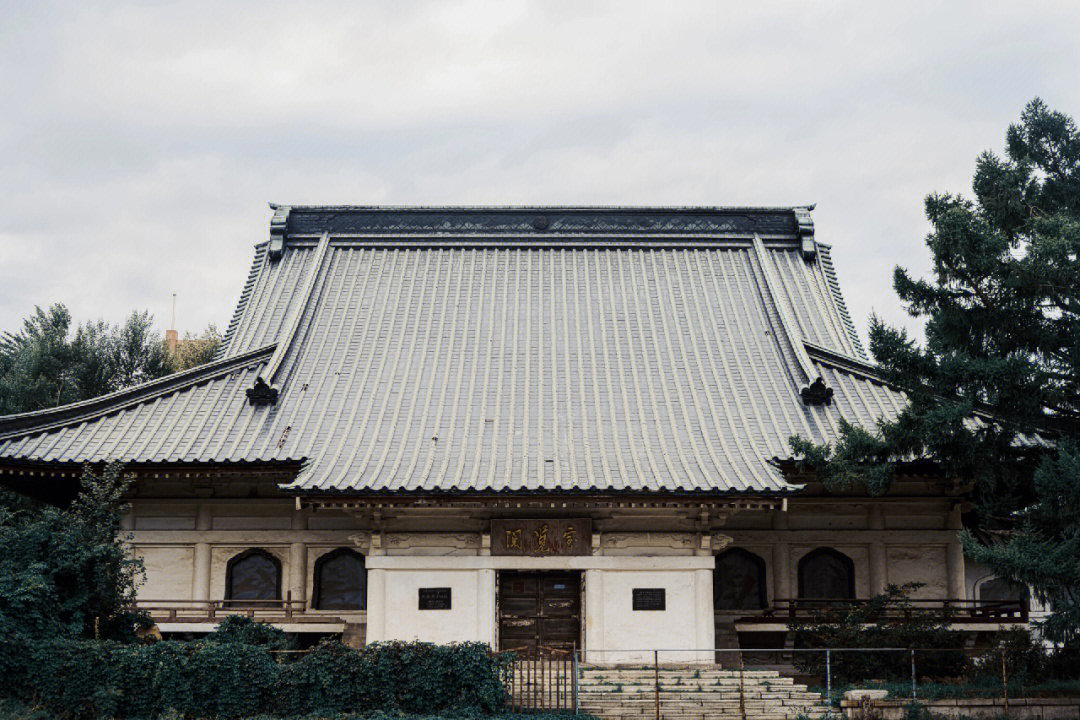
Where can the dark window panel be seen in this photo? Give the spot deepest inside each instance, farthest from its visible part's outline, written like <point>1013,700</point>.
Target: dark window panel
<point>826,574</point>
<point>739,581</point>
<point>340,581</point>
<point>253,575</point>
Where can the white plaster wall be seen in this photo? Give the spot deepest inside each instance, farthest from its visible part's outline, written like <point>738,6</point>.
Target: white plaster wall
<point>394,614</point>
<point>168,572</point>
<point>918,563</point>
<point>622,634</point>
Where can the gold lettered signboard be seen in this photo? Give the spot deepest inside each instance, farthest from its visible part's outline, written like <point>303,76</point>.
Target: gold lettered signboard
<point>540,538</point>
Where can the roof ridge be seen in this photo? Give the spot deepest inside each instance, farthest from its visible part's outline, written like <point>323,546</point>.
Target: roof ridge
<point>292,323</point>
<point>847,363</point>
<point>49,418</point>
<point>838,297</point>
<point>815,392</point>
<point>538,224</point>
<point>568,208</point>
<point>245,295</point>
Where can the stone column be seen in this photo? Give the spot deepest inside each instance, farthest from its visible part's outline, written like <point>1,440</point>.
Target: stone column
<point>376,605</point>
<point>954,557</point>
<point>200,585</point>
<point>954,563</point>
<point>486,616</point>
<point>781,556</point>
<point>705,632</point>
<point>878,578</point>
<point>593,620</point>
<point>298,562</point>
<point>298,574</point>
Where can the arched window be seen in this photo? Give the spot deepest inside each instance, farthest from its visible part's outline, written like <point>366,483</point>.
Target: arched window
<point>253,575</point>
<point>826,574</point>
<point>340,581</point>
<point>739,581</point>
<point>998,589</point>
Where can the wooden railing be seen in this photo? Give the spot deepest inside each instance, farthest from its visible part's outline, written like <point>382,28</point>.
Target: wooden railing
<point>195,611</point>
<point>949,610</point>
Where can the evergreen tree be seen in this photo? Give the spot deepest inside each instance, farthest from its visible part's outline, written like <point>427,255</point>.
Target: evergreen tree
<point>46,364</point>
<point>994,390</point>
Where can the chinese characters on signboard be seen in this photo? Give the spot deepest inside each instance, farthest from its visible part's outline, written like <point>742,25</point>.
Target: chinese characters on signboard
<point>539,538</point>
<point>435,598</point>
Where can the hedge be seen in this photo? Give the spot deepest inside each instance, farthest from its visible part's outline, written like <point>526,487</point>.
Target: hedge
<point>214,679</point>
<point>17,711</point>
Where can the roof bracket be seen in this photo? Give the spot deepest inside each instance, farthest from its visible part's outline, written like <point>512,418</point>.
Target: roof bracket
<point>279,223</point>
<point>817,393</point>
<point>261,393</point>
<point>805,225</point>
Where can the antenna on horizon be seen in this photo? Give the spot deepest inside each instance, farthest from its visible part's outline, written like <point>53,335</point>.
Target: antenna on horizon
<point>172,337</point>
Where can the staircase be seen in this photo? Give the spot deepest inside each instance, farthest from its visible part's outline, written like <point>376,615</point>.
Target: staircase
<point>694,692</point>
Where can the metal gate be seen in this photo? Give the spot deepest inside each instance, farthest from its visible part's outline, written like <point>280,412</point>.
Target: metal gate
<point>543,683</point>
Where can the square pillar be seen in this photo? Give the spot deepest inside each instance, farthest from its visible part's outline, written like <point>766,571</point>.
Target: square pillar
<point>376,605</point>
<point>878,578</point>
<point>781,556</point>
<point>593,615</point>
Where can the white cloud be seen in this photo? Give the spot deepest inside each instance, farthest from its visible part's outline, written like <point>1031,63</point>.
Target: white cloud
<point>141,142</point>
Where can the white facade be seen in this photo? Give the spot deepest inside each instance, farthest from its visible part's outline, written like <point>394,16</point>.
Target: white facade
<point>186,547</point>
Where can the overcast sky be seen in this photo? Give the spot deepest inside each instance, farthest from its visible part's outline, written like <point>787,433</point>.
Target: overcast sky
<point>140,144</point>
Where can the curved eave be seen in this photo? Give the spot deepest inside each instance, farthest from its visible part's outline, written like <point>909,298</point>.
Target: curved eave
<point>44,420</point>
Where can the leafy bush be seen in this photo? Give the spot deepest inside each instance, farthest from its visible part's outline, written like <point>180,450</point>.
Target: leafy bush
<point>888,620</point>
<point>213,678</point>
<point>18,711</point>
<point>64,572</point>
<point>245,631</point>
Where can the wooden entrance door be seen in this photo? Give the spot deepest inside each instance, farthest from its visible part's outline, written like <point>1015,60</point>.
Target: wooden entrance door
<point>539,612</point>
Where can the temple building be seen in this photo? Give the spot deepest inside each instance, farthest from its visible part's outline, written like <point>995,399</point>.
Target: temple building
<point>538,428</point>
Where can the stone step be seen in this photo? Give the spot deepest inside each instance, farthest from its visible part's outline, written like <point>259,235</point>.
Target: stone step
<point>677,682</point>
<point>672,677</point>
<point>604,711</point>
<point>709,712</point>
<point>693,692</point>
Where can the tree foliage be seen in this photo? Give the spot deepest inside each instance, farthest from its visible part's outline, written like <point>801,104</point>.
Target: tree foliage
<point>195,350</point>
<point>64,572</point>
<point>888,620</point>
<point>994,390</point>
<point>48,363</point>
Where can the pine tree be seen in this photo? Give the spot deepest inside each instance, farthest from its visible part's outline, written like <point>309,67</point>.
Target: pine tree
<point>994,389</point>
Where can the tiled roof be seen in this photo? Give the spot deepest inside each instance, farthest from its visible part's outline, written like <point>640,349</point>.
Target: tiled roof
<point>518,349</point>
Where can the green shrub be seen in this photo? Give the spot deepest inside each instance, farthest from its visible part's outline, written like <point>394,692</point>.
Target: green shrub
<point>213,678</point>
<point>888,620</point>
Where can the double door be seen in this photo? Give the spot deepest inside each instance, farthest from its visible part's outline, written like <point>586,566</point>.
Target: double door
<point>539,612</point>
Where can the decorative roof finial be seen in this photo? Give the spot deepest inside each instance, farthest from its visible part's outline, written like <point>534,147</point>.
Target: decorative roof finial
<point>817,393</point>
<point>278,226</point>
<point>805,225</point>
<point>261,393</point>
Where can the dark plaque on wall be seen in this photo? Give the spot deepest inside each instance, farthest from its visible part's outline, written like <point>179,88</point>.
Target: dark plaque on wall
<point>539,538</point>
<point>650,599</point>
<point>434,598</point>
